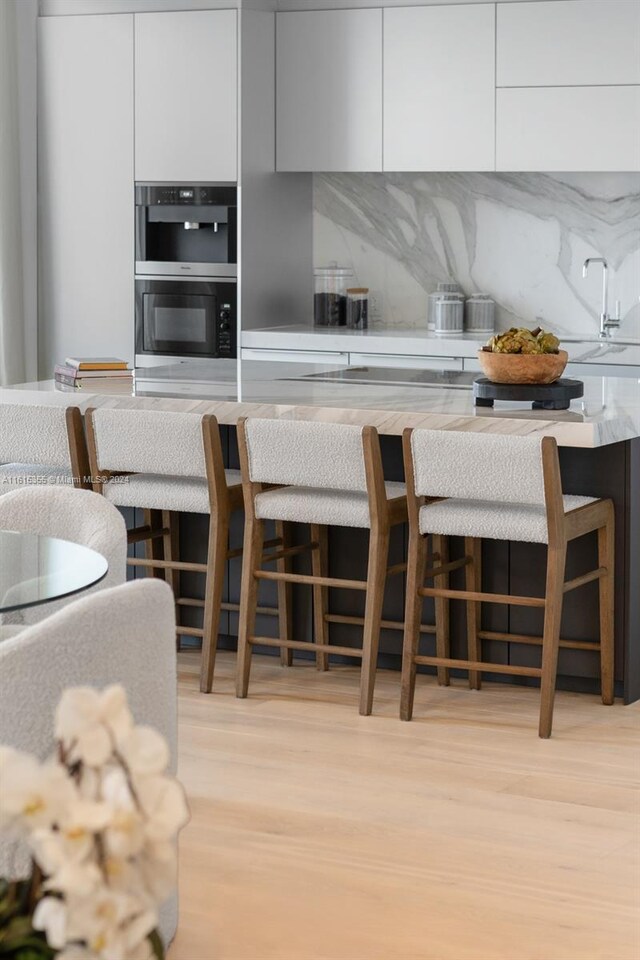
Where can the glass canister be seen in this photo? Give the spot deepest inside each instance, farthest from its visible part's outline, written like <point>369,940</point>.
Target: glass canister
<point>480,314</point>
<point>358,308</point>
<point>330,296</point>
<point>448,315</point>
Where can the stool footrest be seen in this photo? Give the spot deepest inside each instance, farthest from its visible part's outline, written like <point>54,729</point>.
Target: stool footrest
<point>537,641</point>
<point>194,602</point>
<point>304,645</point>
<point>167,564</point>
<point>486,597</point>
<point>308,579</point>
<point>385,624</point>
<point>189,631</point>
<point>478,665</point>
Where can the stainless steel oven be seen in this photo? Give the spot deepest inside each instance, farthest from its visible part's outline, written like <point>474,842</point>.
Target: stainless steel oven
<point>184,319</point>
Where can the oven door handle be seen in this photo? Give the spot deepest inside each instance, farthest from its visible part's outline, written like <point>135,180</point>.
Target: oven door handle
<point>165,278</point>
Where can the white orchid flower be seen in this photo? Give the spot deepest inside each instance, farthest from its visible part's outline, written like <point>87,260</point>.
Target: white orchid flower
<point>165,806</point>
<point>145,752</point>
<point>33,794</point>
<point>158,867</point>
<point>111,924</point>
<point>124,835</point>
<point>91,722</point>
<point>50,916</point>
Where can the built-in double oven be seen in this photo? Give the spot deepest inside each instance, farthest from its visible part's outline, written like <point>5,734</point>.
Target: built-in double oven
<point>186,272</point>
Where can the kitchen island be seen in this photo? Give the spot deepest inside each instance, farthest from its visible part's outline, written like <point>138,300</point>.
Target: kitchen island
<point>599,440</point>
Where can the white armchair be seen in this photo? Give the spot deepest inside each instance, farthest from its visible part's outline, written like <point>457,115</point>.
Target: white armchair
<point>78,515</point>
<point>124,635</point>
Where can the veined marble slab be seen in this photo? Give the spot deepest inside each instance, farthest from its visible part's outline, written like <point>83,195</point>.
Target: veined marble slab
<point>608,413</point>
<point>521,237</point>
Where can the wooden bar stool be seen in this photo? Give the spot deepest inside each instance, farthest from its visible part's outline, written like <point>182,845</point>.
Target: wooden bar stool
<point>502,488</point>
<point>42,444</point>
<point>167,463</point>
<point>320,474</point>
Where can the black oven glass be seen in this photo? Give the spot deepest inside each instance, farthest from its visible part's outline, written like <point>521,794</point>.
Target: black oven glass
<point>179,323</point>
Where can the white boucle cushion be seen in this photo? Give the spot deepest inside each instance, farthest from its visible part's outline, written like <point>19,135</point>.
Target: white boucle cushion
<point>152,492</point>
<point>336,508</point>
<point>21,476</point>
<point>305,453</point>
<point>492,521</point>
<point>30,433</point>
<point>150,441</point>
<point>477,466</point>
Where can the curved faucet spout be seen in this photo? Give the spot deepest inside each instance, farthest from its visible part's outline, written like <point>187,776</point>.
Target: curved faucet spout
<point>605,320</point>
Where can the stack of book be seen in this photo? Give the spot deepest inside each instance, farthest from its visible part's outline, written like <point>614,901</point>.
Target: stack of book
<point>94,375</point>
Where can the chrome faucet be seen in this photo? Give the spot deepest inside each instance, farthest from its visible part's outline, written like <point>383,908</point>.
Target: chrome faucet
<point>607,323</point>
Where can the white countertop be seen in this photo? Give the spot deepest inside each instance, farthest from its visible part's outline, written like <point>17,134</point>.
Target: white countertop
<point>414,341</point>
<point>609,411</point>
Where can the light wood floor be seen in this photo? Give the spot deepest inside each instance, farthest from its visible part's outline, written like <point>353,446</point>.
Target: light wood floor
<point>317,833</point>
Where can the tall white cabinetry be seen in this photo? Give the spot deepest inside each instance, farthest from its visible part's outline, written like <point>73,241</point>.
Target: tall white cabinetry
<point>329,90</point>
<point>439,87</point>
<point>568,78</point>
<point>186,81</point>
<point>85,170</point>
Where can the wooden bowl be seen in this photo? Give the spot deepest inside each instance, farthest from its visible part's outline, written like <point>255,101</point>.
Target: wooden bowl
<point>523,367</point>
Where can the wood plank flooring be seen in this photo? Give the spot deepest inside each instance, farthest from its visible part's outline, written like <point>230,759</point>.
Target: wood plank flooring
<point>318,834</point>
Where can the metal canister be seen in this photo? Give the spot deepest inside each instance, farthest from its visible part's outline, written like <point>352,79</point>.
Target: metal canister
<point>448,314</point>
<point>480,314</point>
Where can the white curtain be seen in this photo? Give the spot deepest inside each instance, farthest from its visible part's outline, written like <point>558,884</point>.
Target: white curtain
<point>12,321</point>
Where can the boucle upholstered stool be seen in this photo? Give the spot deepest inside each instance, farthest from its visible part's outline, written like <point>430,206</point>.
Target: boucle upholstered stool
<point>503,488</point>
<point>324,474</point>
<point>168,463</point>
<point>40,445</point>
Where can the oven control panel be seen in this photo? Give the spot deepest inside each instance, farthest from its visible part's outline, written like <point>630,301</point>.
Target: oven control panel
<point>225,338</point>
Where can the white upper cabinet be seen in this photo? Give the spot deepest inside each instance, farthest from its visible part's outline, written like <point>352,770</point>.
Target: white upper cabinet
<point>85,187</point>
<point>568,128</point>
<point>439,87</point>
<point>568,43</point>
<point>329,90</point>
<point>186,80</point>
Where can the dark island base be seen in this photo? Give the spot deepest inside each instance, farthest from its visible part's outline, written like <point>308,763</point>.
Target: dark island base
<point>611,471</point>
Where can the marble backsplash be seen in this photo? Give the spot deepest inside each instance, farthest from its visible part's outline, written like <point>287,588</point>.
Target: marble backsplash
<point>520,237</point>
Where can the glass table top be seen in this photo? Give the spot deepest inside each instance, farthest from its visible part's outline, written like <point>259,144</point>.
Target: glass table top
<point>35,569</point>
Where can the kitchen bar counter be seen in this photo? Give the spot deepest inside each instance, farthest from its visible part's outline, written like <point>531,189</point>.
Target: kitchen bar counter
<point>608,413</point>
<point>599,439</point>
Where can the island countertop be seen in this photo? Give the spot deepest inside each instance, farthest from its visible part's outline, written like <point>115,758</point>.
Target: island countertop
<point>608,413</point>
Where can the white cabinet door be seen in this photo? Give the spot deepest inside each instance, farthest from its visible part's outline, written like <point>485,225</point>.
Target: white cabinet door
<point>439,87</point>
<point>186,95</point>
<point>85,174</point>
<point>568,42</point>
<point>329,90</point>
<point>568,128</point>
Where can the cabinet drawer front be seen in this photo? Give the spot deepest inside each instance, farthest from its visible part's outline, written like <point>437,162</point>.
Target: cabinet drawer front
<point>296,356</point>
<point>439,86</point>
<point>568,42</point>
<point>398,361</point>
<point>329,90</point>
<point>568,128</point>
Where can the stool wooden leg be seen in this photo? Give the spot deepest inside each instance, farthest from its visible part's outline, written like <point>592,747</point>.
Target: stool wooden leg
<point>416,564</point>
<point>171,548</point>
<point>606,558</point>
<point>376,578</point>
<point>441,546</point>
<point>284,595</point>
<point>473,582</point>
<point>251,561</point>
<point>554,595</point>
<point>154,548</point>
<point>216,565</point>
<point>320,568</point>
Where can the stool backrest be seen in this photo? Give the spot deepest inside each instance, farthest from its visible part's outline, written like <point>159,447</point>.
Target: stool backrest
<point>305,453</point>
<point>35,433</point>
<point>478,466</point>
<point>147,441</point>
